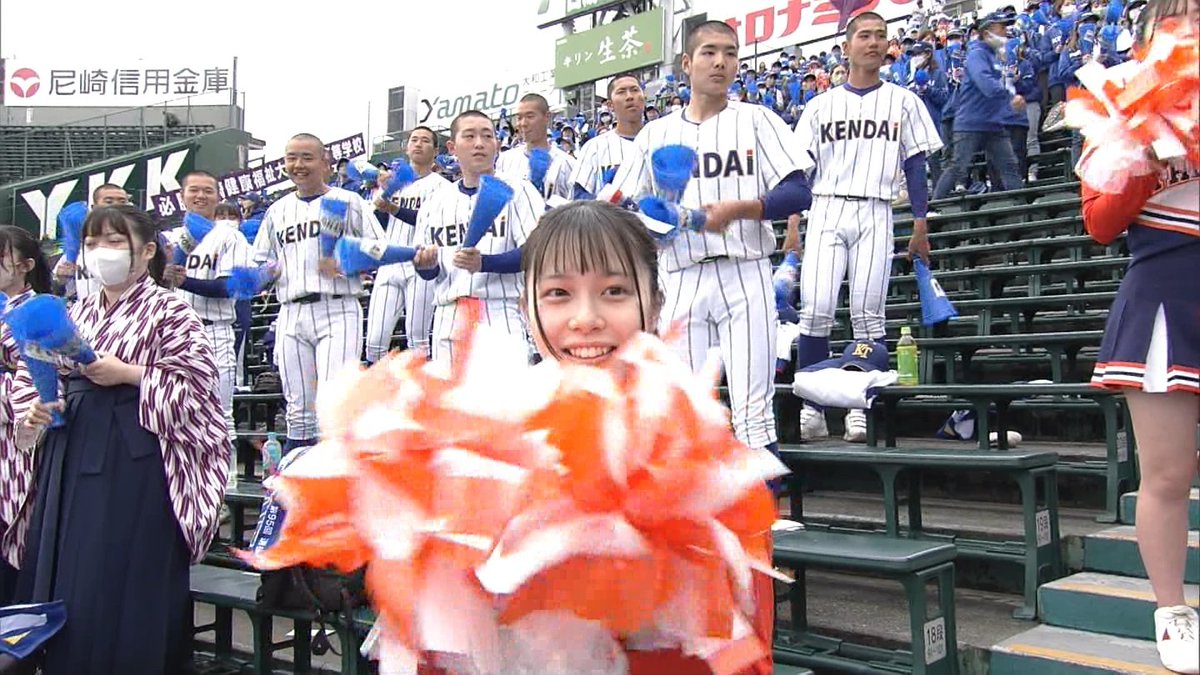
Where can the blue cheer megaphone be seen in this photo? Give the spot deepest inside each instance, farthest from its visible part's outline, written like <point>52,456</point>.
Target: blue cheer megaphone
<point>935,307</point>
<point>355,255</point>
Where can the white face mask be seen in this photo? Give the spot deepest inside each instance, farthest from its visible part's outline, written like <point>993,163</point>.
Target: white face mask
<point>230,223</point>
<point>919,61</point>
<point>109,265</point>
<point>1067,10</point>
<point>995,41</point>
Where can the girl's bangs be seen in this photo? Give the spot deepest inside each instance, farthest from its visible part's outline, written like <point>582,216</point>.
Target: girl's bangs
<point>581,247</point>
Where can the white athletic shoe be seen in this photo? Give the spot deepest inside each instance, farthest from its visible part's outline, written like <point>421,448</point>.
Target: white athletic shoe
<point>856,426</point>
<point>1014,438</point>
<point>1175,629</point>
<point>812,424</point>
<point>932,214</point>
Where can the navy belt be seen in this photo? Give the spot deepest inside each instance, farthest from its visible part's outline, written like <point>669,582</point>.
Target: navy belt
<point>315,297</point>
<point>713,258</point>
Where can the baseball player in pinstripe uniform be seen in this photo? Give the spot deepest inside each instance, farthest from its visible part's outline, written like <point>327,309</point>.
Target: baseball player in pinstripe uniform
<point>861,135</point>
<point>78,283</point>
<point>533,120</point>
<point>320,325</point>
<point>600,157</point>
<point>718,282</point>
<point>202,284</point>
<point>491,271</point>
<point>394,283</point>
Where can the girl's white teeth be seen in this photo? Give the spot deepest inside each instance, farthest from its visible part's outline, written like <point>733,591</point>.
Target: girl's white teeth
<point>590,352</point>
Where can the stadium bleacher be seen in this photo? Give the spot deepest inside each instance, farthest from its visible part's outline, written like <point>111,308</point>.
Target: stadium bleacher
<point>28,152</point>
<point>1033,292</point>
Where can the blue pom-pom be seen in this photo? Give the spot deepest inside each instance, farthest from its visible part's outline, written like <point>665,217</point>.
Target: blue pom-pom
<point>673,214</point>
<point>195,228</point>
<point>494,194</point>
<point>355,255</point>
<point>246,282</point>
<point>362,171</point>
<point>402,176</point>
<point>539,164</point>
<point>250,228</point>
<point>672,166</point>
<point>43,323</point>
<point>921,78</point>
<point>659,209</point>
<point>70,228</point>
<point>608,175</point>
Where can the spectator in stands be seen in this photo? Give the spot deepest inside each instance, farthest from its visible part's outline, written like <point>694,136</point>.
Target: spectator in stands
<point>930,83</point>
<point>130,487</point>
<point>109,194</point>
<point>1016,121</point>
<point>651,113</point>
<point>23,273</point>
<point>982,105</point>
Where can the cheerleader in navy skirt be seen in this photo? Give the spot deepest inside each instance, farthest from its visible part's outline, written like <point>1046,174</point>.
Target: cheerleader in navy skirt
<point>1151,350</point>
<point>129,489</point>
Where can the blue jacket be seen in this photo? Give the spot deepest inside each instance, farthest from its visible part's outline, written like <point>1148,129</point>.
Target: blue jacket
<point>934,94</point>
<point>1027,80</point>
<point>982,97</point>
<point>1068,63</point>
<point>1056,37</point>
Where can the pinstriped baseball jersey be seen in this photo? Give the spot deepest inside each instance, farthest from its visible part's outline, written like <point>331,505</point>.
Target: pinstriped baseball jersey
<point>515,162</point>
<point>442,221</point>
<point>743,152</point>
<point>604,152</point>
<point>860,140</point>
<point>216,255</point>
<point>400,233</point>
<point>289,236</point>
<point>83,285</point>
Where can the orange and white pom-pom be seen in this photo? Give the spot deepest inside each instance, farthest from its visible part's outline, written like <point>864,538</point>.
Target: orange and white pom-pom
<point>494,499</point>
<point>1140,112</point>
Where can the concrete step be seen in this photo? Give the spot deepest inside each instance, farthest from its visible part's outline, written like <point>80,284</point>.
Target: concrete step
<point>1062,651</point>
<point>1115,551</point>
<point>1129,509</point>
<point>782,669</point>
<point>1103,603</point>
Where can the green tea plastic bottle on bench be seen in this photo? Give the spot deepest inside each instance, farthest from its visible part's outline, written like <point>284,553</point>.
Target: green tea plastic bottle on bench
<point>906,358</point>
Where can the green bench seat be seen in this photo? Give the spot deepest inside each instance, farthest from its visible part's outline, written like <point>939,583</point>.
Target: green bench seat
<point>913,563</point>
<point>1119,469</point>
<point>1062,348</point>
<point>228,590</point>
<point>1038,552</point>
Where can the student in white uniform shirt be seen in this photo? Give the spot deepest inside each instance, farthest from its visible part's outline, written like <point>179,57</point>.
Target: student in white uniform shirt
<point>533,121</point>
<point>202,281</point>
<point>600,157</point>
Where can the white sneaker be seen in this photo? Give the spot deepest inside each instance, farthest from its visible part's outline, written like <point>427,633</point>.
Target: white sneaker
<point>1032,175</point>
<point>931,214</point>
<point>1014,438</point>
<point>1175,629</point>
<point>812,424</point>
<point>856,426</point>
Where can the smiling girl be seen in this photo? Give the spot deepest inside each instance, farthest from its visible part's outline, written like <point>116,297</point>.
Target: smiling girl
<point>591,284</point>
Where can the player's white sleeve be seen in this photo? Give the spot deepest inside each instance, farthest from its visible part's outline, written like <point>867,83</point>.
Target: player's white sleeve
<point>634,179</point>
<point>527,206</point>
<point>236,253</point>
<point>264,241</point>
<point>563,187</point>
<point>806,130</point>
<point>424,215</point>
<point>779,150</point>
<point>361,222</point>
<point>586,173</point>
<point>917,132</point>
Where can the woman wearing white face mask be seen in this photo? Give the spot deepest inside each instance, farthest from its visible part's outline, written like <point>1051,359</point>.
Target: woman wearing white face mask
<point>129,489</point>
